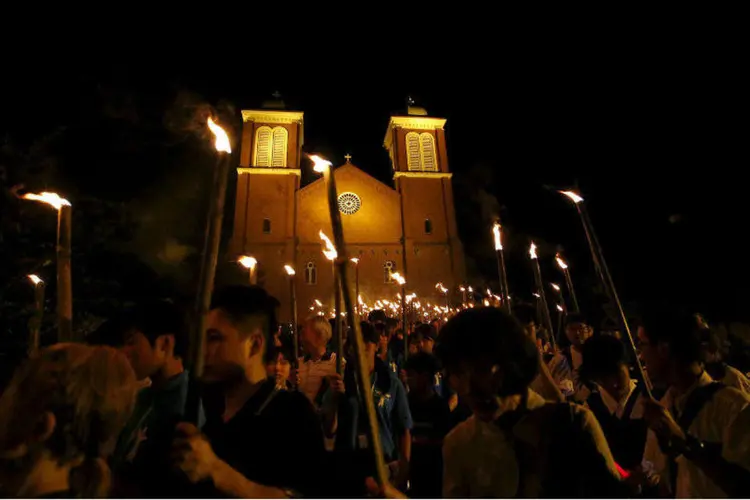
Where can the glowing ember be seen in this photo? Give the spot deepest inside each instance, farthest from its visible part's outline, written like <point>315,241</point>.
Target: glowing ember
<point>222,139</point>
<point>498,239</point>
<point>532,250</point>
<point>49,198</point>
<point>248,262</point>
<point>330,250</point>
<point>573,196</point>
<point>320,164</point>
<point>290,270</point>
<point>560,262</point>
<point>35,279</point>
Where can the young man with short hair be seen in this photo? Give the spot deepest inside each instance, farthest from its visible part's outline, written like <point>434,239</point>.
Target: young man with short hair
<point>565,364</point>
<point>543,384</point>
<point>515,444</point>
<point>258,441</point>
<point>700,430</point>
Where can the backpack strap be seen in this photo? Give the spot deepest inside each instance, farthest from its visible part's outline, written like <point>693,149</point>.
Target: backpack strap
<point>628,410</point>
<point>695,403</point>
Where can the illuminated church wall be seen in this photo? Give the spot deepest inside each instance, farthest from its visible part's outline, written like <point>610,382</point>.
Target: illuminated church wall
<point>277,221</point>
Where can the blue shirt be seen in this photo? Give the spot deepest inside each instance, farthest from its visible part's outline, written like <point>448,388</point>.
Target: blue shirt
<point>391,407</point>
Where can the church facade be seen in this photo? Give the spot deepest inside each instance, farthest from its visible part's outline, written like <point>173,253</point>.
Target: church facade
<point>408,227</point>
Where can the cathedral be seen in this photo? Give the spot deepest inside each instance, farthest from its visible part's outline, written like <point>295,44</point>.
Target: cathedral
<point>407,227</point>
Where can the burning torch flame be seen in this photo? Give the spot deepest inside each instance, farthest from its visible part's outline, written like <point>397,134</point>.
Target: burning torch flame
<point>573,196</point>
<point>330,250</point>
<point>536,295</point>
<point>471,290</point>
<point>248,262</point>
<point>486,303</point>
<point>561,262</point>
<point>498,240</point>
<point>222,139</point>
<point>461,289</point>
<point>359,299</point>
<point>320,164</point>
<point>399,279</point>
<point>318,303</point>
<point>355,260</point>
<point>555,286</point>
<point>290,270</point>
<point>532,250</point>
<point>559,307</point>
<point>35,279</point>
<point>49,198</point>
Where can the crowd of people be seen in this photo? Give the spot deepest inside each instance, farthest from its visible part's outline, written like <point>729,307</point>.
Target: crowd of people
<point>485,405</point>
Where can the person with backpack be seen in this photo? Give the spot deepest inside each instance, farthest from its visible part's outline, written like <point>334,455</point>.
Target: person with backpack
<point>515,444</point>
<point>699,438</point>
<point>617,401</point>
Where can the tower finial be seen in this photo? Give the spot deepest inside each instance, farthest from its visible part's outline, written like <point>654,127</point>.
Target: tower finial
<point>276,94</point>
<point>348,158</point>
<point>409,101</point>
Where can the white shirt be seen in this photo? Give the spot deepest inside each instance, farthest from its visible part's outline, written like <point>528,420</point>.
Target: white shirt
<point>479,460</point>
<point>312,373</point>
<point>725,419</point>
<point>566,376</point>
<point>616,407</point>
<point>737,379</point>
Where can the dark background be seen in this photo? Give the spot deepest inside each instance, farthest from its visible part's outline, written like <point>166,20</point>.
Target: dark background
<point>652,129</point>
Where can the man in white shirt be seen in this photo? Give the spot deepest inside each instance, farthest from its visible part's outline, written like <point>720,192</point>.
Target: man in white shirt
<point>699,438</point>
<point>565,364</point>
<point>318,363</point>
<point>714,352</point>
<point>515,444</point>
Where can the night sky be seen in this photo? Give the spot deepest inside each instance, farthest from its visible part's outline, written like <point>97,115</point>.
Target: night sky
<point>654,137</point>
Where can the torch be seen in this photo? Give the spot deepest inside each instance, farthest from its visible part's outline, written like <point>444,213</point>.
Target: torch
<point>323,166</point>
<point>569,282</point>
<point>540,290</point>
<point>293,299</point>
<point>356,287</point>
<point>444,291</point>
<point>462,289</point>
<point>330,253</point>
<point>603,271</point>
<point>402,282</point>
<point>213,239</point>
<point>251,264</point>
<point>501,274</point>
<point>64,280</point>
<point>35,324</point>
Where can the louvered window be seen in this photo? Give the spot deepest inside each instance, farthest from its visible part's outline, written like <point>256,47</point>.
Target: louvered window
<point>279,147</point>
<point>427,150</point>
<point>412,150</point>
<point>263,147</point>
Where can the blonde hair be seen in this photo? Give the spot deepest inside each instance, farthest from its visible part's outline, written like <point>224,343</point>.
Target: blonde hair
<point>321,327</point>
<point>90,390</point>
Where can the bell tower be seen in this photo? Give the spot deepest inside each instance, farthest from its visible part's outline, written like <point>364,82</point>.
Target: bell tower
<point>432,250</point>
<point>268,179</point>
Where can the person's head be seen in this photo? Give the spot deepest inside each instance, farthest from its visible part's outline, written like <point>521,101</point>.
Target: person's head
<point>426,336</point>
<point>436,324</point>
<point>279,362</point>
<point>526,315</point>
<point>669,339</point>
<point>390,325</point>
<point>154,333</point>
<point>420,371</point>
<point>413,345</point>
<point>605,363</point>
<point>487,356</point>
<point>382,331</point>
<point>316,334</point>
<point>371,339</point>
<point>64,409</point>
<point>377,316</point>
<point>577,329</point>
<point>240,324</point>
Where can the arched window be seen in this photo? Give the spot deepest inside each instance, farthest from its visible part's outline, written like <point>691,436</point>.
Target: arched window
<point>428,226</point>
<point>278,158</point>
<point>420,152</point>
<point>427,152</point>
<point>412,150</point>
<point>270,147</point>
<point>311,273</point>
<point>389,267</point>
<point>266,226</point>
